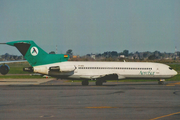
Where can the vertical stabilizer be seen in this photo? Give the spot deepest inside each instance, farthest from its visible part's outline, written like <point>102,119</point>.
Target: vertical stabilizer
<point>35,55</point>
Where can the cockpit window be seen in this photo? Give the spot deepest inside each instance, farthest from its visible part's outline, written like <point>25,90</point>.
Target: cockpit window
<point>170,68</point>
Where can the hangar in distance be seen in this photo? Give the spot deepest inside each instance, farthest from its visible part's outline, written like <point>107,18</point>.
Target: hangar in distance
<point>57,65</point>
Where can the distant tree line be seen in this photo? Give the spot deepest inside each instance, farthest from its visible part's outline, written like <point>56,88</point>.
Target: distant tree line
<point>7,57</point>
<point>136,55</point>
<point>110,56</point>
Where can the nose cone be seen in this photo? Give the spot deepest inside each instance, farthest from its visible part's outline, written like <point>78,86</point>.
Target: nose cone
<point>174,73</point>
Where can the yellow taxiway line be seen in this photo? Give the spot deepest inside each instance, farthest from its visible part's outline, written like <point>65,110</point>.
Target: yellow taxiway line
<point>173,84</point>
<point>101,107</point>
<point>165,116</point>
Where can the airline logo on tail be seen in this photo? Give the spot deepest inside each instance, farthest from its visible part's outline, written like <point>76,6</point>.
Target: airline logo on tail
<point>34,51</point>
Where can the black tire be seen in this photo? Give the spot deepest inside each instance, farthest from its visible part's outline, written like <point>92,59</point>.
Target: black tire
<point>85,82</point>
<point>160,82</point>
<point>99,83</point>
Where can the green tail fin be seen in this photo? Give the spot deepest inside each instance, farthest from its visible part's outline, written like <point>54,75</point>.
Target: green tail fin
<point>35,55</point>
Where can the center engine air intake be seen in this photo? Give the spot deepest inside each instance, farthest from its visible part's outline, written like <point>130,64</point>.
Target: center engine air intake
<point>54,68</point>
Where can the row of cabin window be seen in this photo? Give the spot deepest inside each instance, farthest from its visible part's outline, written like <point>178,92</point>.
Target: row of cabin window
<point>115,68</point>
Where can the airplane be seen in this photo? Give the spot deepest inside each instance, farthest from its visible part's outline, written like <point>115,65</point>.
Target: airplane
<point>58,66</point>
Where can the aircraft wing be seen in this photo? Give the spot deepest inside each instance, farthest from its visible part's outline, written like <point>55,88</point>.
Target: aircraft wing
<point>15,61</point>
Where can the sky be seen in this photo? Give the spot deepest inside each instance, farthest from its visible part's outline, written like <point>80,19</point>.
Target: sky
<point>91,26</point>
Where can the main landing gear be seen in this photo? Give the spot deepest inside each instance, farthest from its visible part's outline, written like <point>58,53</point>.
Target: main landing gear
<point>161,82</point>
<point>99,82</point>
<point>85,82</point>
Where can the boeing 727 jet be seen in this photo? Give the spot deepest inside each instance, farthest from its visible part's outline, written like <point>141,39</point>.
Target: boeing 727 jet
<point>57,65</point>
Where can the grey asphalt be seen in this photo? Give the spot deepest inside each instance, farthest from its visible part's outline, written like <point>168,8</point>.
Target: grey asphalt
<point>57,100</point>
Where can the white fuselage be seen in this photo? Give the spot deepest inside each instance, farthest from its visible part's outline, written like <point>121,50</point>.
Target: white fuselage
<point>95,70</point>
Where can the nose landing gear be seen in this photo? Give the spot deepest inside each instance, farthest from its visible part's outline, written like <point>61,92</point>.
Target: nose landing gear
<point>161,82</point>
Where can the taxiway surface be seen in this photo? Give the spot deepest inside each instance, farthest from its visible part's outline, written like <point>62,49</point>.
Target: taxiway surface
<point>57,100</point>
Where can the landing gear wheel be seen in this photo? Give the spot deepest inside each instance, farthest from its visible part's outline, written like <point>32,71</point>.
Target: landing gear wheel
<point>99,83</point>
<point>160,82</point>
<point>85,82</point>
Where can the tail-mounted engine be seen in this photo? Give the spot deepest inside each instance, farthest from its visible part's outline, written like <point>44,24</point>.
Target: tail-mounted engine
<point>37,69</point>
<point>67,68</point>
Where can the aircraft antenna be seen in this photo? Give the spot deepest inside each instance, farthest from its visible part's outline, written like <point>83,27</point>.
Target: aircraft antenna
<point>175,51</point>
<point>56,49</point>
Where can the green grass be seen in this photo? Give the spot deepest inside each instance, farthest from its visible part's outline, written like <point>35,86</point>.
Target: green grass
<point>175,78</point>
<point>17,68</point>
